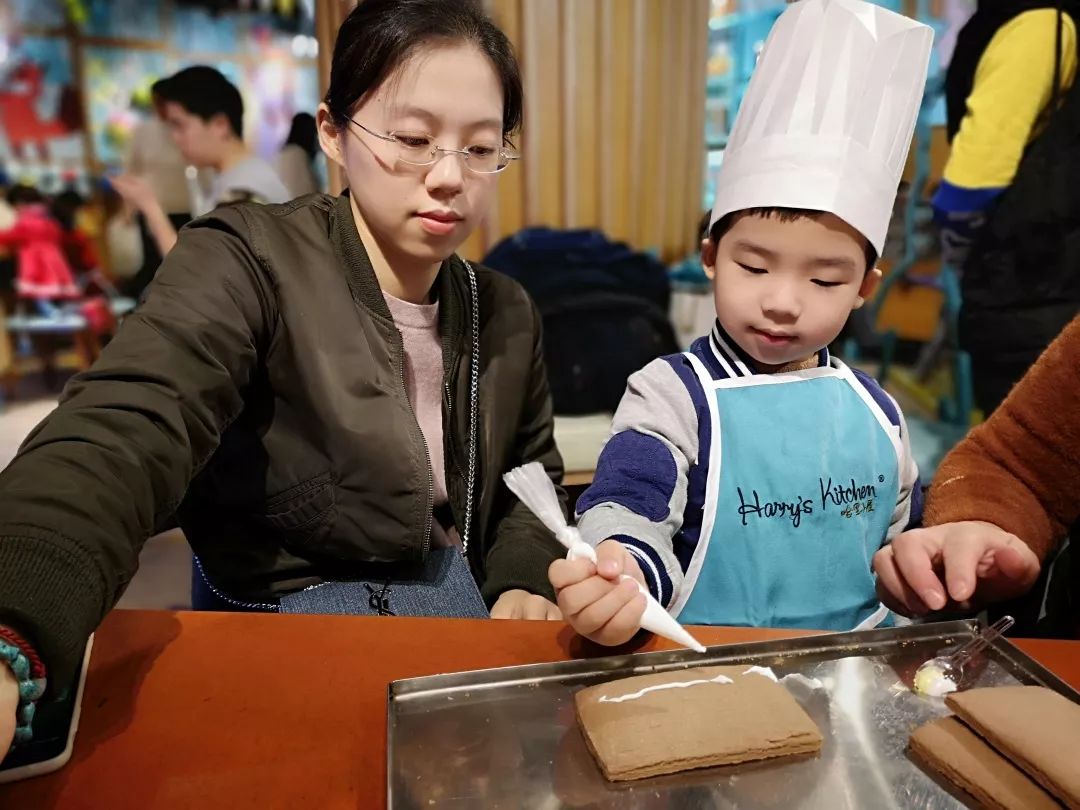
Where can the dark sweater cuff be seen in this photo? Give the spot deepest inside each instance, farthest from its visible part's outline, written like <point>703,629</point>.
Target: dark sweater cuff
<point>51,592</point>
<point>521,564</point>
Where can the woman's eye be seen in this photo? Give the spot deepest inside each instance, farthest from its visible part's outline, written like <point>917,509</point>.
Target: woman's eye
<point>413,141</point>
<point>482,151</point>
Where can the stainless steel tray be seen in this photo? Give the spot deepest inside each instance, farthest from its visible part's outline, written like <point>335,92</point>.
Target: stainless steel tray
<point>508,738</point>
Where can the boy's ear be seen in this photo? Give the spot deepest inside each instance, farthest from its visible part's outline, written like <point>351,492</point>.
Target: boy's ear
<point>708,257</point>
<point>868,287</point>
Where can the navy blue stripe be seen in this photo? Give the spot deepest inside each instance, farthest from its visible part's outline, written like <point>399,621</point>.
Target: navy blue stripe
<point>735,348</point>
<point>635,471</point>
<point>703,352</point>
<point>686,539</point>
<point>917,502</point>
<point>662,589</point>
<point>883,400</point>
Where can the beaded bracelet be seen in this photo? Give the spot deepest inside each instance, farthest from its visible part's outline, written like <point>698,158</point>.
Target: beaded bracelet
<point>31,688</point>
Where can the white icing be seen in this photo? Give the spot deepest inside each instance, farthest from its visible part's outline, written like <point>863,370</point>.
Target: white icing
<point>932,681</point>
<point>764,671</point>
<point>660,686</point>
<point>809,683</point>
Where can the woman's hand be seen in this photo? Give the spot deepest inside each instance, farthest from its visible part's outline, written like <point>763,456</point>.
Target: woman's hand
<point>9,704</point>
<point>519,604</point>
<point>956,565</point>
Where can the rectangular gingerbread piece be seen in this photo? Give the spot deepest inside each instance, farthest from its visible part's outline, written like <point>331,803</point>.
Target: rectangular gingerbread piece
<point>966,760</point>
<point>694,718</point>
<point>1035,727</point>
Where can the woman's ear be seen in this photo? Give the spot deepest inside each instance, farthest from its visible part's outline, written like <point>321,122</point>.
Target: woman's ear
<point>330,136</point>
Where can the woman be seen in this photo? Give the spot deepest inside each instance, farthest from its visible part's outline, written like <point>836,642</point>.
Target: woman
<point>296,161</point>
<point>1001,506</point>
<point>273,390</point>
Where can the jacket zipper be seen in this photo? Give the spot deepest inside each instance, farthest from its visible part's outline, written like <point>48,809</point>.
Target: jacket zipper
<point>458,516</point>
<point>234,602</point>
<point>449,420</point>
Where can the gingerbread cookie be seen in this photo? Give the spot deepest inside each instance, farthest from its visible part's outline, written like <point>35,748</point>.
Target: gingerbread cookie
<point>695,718</point>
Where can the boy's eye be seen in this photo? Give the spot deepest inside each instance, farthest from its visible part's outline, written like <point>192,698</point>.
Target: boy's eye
<point>757,271</point>
<point>821,283</point>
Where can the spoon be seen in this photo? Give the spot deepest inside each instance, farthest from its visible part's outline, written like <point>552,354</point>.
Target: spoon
<point>942,674</point>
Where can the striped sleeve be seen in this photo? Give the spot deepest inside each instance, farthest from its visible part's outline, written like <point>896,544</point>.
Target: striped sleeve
<point>908,512</point>
<point>639,493</point>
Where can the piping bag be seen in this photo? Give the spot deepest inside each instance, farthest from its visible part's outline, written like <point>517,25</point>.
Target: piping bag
<point>533,487</point>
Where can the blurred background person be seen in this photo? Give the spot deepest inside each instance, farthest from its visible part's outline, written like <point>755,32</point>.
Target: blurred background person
<point>296,161</point>
<point>1007,201</point>
<point>153,156</point>
<point>205,115</point>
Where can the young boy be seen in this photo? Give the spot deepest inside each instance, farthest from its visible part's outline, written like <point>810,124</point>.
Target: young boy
<point>750,480</point>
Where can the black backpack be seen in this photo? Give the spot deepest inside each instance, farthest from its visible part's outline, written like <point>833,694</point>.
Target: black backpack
<point>604,308</point>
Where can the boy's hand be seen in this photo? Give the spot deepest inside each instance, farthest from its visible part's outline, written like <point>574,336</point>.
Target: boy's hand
<point>594,600</point>
<point>9,704</point>
<point>962,565</point>
<point>519,604</point>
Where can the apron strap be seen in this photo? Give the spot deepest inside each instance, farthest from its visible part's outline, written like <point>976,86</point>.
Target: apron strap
<point>873,620</point>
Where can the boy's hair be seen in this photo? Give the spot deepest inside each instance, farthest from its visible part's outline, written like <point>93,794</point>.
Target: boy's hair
<point>726,222</point>
<point>204,92</point>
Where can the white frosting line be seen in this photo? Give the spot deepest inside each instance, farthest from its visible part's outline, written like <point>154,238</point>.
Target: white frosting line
<point>809,683</point>
<point>764,671</point>
<point>659,686</point>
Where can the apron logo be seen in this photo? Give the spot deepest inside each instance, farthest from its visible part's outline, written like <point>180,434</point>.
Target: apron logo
<point>851,499</point>
<point>840,495</point>
<point>772,509</point>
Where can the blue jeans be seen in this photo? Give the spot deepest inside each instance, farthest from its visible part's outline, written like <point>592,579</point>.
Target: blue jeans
<point>440,586</point>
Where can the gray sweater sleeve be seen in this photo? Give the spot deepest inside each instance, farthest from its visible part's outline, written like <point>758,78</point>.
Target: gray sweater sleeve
<point>908,511</point>
<point>639,494</point>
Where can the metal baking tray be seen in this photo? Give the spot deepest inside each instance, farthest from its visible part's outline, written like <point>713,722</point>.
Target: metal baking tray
<point>508,738</point>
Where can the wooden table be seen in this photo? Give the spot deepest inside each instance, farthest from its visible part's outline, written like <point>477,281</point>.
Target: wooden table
<point>205,710</point>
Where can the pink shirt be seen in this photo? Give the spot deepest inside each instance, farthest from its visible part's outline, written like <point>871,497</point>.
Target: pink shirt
<point>419,327</point>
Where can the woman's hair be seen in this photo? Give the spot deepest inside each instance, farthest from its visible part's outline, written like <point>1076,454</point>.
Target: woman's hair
<point>380,35</point>
<point>304,133</point>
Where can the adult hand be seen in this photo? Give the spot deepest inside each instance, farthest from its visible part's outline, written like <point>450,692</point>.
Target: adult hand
<point>519,604</point>
<point>595,600</point>
<point>135,191</point>
<point>957,565</point>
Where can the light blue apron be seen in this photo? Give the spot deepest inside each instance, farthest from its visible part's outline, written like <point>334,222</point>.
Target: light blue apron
<point>803,481</point>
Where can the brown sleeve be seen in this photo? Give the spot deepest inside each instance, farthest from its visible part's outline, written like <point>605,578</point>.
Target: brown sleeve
<point>1021,469</point>
<point>96,478</point>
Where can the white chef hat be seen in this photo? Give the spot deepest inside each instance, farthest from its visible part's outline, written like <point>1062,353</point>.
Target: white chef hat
<point>828,116</point>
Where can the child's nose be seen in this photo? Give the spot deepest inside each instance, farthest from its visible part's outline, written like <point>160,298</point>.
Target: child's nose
<point>781,302</point>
